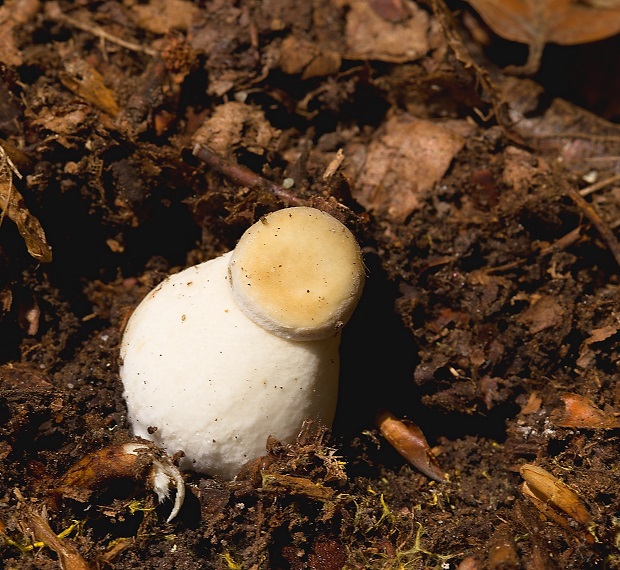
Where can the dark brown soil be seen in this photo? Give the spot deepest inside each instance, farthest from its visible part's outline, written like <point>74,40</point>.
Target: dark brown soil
<point>491,315</point>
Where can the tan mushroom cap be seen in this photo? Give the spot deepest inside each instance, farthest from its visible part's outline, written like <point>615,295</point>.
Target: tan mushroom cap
<point>298,272</point>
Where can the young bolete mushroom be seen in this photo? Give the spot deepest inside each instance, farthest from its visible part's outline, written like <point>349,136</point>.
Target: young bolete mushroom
<point>224,354</point>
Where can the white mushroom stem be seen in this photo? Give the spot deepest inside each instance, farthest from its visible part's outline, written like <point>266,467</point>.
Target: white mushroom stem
<point>203,373</point>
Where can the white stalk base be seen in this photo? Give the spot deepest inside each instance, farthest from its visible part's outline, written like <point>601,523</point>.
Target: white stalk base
<point>202,378</point>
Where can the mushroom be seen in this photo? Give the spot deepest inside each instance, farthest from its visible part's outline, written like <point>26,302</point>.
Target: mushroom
<point>224,354</point>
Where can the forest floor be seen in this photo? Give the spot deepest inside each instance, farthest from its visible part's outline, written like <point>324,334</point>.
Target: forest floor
<point>483,188</point>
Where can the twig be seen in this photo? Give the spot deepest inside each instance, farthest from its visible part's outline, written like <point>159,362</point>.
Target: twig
<point>54,12</point>
<point>558,245</point>
<point>603,229</point>
<point>244,176</point>
<point>599,185</point>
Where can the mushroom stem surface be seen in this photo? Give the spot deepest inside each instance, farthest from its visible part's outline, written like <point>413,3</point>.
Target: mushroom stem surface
<point>203,375</point>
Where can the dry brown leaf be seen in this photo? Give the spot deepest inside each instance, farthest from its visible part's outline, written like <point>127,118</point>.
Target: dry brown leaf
<point>13,206</point>
<point>565,22</point>
<point>13,14</point>
<point>586,351</point>
<point>290,485</point>
<point>544,312</point>
<point>233,125</point>
<point>537,22</point>
<point>300,55</point>
<point>577,138</point>
<point>63,123</point>
<point>581,412</point>
<point>532,405</point>
<point>85,81</point>
<point>139,461</point>
<point>400,166</point>
<point>369,36</point>
<point>161,16</point>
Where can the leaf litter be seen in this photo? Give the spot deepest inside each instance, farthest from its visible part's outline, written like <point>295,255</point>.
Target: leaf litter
<point>149,136</point>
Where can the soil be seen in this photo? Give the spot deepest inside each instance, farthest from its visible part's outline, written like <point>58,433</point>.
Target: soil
<point>486,204</point>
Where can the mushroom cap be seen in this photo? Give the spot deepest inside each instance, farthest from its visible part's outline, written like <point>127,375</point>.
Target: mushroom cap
<point>298,273</point>
<point>213,383</point>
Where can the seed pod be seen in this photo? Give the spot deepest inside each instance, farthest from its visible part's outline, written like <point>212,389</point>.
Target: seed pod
<point>407,438</point>
<point>554,494</point>
<point>138,461</point>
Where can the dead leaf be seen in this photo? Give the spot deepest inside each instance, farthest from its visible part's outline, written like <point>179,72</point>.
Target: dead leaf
<point>400,166</point>
<point>14,13</point>
<point>581,412</point>
<point>537,22</point>
<point>139,461</point>
<point>532,405</point>
<point>233,125</point>
<point>12,205</point>
<point>85,81</point>
<point>544,312</point>
<point>565,22</point>
<point>161,16</point>
<point>63,123</point>
<point>301,56</point>
<point>586,352</point>
<point>577,138</point>
<point>370,36</point>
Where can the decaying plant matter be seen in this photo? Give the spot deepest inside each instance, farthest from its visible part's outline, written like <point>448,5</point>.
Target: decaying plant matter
<point>140,139</point>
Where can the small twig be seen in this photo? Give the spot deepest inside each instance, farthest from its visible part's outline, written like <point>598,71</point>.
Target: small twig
<point>334,165</point>
<point>578,135</point>
<point>54,12</point>
<point>599,185</point>
<point>244,176</point>
<point>558,245</point>
<point>603,229</point>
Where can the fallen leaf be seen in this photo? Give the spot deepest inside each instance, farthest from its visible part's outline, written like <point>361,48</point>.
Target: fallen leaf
<point>161,16</point>
<point>532,405</point>
<point>565,22</point>
<point>290,485</point>
<point>138,461</point>
<point>399,167</point>
<point>85,81</point>
<point>301,56</point>
<point>581,412</point>
<point>544,312</point>
<point>13,206</point>
<point>586,352</point>
<point>233,125</point>
<point>13,14</point>
<point>370,36</point>
<point>537,22</point>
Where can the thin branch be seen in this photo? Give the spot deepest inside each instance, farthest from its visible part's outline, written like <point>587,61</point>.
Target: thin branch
<point>599,185</point>
<point>603,229</point>
<point>244,176</point>
<point>54,12</point>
